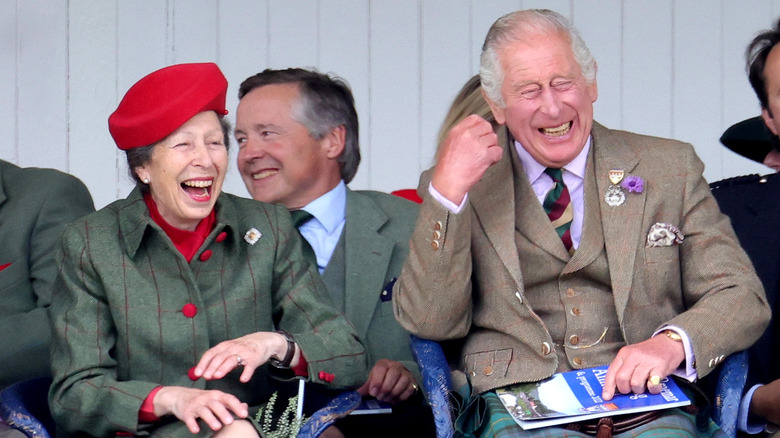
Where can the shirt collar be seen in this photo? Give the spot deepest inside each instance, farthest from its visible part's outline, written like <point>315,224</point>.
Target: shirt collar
<point>534,170</point>
<point>330,209</point>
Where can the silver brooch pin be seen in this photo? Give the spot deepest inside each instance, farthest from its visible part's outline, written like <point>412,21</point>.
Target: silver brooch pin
<point>252,236</point>
<point>615,195</point>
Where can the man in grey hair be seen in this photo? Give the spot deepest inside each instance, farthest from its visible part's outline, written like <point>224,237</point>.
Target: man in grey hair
<point>573,245</point>
<point>297,132</point>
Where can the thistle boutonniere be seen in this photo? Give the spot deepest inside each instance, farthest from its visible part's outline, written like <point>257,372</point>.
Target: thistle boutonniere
<point>252,236</point>
<point>615,195</point>
<point>633,184</point>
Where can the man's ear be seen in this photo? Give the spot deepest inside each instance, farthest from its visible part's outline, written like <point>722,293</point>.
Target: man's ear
<point>497,110</point>
<point>334,141</point>
<point>769,120</point>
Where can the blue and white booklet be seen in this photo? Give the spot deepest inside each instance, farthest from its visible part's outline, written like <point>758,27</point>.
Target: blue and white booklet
<point>576,396</point>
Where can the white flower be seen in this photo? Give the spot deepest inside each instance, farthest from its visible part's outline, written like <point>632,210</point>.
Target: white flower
<point>252,236</point>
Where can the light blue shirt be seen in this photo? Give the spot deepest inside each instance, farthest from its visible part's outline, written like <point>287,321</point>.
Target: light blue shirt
<point>323,232</point>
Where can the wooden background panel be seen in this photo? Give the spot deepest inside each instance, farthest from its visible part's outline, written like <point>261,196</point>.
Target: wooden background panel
<point>445,67</point>
<point>665,68</point>
<point>696,111</point>
<point>42,80</point>
<point>8,79</point>
<point>739,100</point>
<point>600,25</point>
<point>293,33</point>
<point>242,52</point>
<point>92,96</point>
<point>194,30</point>
<point>344,51</point>
<point>395,95</point>
<point>483,15</point>
<point>647,67</point>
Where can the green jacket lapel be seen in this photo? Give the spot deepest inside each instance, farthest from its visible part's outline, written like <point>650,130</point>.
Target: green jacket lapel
<point>622,224</point>
<point>368,255</point>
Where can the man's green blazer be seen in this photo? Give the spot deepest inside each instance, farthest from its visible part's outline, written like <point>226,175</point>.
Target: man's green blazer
<point>35,205</point>
<point>376,236</point>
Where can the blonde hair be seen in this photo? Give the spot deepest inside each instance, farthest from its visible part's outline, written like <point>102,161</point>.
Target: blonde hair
<point>469,100</point>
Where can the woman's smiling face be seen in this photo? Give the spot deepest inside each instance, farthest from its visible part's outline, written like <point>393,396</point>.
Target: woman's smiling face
<point>186,171</point>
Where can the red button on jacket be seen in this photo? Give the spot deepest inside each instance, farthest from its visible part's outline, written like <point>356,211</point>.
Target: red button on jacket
<point>189,310</point>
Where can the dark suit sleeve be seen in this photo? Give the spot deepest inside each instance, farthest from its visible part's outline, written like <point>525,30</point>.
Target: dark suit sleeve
<point>61,199</point>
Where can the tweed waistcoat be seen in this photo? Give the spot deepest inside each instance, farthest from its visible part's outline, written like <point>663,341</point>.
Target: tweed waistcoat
<point>334,275</point>
<point>572,295</point>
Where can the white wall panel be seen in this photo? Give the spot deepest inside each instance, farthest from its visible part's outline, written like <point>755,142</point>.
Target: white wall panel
<point>293,32</point>
<point>739,100</point>
<point>483,15</point>
<point>670,68</point>
<point>445,67</point>
<point>600,25</point>
<point>648,64</point>
<point>344,51</point>
<point>243,51</point>
<point>395,95</point>
<point>696,111</point>
<point>92,95</point>
<point>42,81</point>
<point>194,30</point>
<point>8,89</point>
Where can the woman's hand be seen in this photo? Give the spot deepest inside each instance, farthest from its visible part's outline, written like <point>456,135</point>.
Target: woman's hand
<point>249,351</point>
<point>215,408</point>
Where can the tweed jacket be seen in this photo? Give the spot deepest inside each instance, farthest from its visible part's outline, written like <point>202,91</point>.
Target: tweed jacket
<point>129,313</point>
<point>463,277</point>
<point>376,238</point>
<point>750,203</point>
<point>35,204</point>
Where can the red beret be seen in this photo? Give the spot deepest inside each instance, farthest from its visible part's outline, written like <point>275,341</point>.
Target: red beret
<point>164,100</point>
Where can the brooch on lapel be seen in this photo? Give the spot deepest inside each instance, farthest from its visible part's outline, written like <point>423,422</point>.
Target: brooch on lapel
<point>615,195</point>
<point>662,234</point>
<point>252,236</point>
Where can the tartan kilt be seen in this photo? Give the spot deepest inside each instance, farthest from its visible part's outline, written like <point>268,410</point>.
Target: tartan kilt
<point>673,423</point>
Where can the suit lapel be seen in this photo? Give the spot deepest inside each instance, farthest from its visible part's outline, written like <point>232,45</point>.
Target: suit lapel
<point>592,240</point>
<point>621,224</point>
<point>3,196</point>
<point>367,256</point>
<point>494,203</point>
<point>532,221</point>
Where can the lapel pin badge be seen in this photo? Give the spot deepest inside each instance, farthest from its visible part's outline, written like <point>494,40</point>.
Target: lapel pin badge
<point>252,236</point>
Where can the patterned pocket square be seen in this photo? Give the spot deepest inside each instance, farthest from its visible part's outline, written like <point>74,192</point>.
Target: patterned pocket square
<point>662,234</point>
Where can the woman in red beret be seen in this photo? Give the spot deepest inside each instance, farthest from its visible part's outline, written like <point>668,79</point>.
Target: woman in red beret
<point>173,305</point>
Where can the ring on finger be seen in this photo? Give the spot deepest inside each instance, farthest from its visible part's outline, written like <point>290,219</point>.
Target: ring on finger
<point>654,380</point>
<point>239,360</point>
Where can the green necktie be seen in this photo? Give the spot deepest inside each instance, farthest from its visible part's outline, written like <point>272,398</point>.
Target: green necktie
<point>557,205</point>
<point>300,217</point>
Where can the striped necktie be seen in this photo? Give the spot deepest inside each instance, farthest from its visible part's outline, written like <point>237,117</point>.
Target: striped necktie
<point>557,205</point>
<point>300,217</point>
